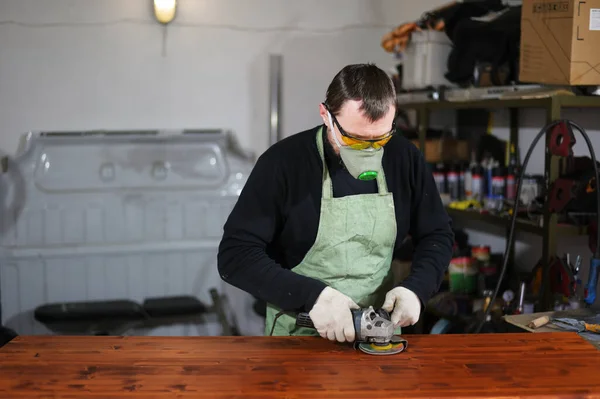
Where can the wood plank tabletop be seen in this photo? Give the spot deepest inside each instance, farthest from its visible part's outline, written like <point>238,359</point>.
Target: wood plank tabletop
<point>552,365</point>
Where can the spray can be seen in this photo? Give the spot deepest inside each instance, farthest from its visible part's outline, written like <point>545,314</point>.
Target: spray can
<point>498,183</point>
<point>469,177</point>
<point>511,184</point>
<point>477,181</point>
<point>462,170</point>
<point>440,178</point>
<point>495,201</point>
<point>489,174</point>
<point>468,186</point>
<point>512,175</point>
<point>452,183</point>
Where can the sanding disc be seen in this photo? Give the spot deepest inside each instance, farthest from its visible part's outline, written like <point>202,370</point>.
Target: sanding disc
<point>395,346</point>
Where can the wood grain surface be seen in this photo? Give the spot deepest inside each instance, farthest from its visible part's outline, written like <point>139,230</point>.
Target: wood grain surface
<point>552,365</point>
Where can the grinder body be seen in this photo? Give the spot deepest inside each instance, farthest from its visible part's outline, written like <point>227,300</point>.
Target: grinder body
<point>370,325</point>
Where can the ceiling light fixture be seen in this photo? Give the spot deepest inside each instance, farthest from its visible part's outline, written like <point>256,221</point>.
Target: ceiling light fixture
<point>164,10</point>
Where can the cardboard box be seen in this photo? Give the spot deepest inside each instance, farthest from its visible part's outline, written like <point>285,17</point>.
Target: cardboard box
<point>445,150</point>
<point>560,40</point>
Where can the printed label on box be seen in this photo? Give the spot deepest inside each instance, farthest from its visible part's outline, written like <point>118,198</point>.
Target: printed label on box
<point>595,19</point>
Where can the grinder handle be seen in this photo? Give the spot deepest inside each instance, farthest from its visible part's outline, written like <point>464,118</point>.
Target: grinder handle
<point>304,320</point>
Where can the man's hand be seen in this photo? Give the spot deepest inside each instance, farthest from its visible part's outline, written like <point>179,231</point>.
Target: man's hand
<point>403,305</point>
<point>332,317</point>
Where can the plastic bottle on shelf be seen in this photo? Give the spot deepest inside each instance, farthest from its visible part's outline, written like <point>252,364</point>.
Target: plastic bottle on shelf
<point>498,187</point>
<point>478,183</point>
<point>471,168</point>
<point>512,175</point>
<point>489,199</point>
<point>462,171</point>
<point>439,176</point>
<point>452,182</point>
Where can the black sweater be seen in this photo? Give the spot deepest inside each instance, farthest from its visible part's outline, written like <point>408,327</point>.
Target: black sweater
<point>274,222</point>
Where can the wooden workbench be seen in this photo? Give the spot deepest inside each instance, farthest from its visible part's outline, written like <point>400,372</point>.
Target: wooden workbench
<point>500,365</point>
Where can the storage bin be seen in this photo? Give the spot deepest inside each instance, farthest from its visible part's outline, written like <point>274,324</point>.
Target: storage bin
<point>425,60</point>
<point>445,150</point>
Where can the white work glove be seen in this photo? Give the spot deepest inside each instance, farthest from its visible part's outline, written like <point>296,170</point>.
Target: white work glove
<point>332,317</point>
<point>403,305</point>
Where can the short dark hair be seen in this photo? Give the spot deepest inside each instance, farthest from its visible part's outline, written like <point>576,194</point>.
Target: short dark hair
<point>362,82</point>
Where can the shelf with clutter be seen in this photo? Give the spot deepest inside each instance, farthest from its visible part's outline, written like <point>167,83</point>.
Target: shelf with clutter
<point>441,68</point>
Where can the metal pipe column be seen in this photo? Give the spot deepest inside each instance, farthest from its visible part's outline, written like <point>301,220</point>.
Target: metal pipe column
<point>275,64</point>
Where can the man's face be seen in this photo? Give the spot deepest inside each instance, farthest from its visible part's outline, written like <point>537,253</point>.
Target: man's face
<point>355,124</point>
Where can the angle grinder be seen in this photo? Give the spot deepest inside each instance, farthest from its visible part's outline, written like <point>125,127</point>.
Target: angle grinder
<point>374,331</point>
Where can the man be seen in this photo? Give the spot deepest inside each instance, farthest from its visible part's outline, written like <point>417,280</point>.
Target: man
<point>323,212</point>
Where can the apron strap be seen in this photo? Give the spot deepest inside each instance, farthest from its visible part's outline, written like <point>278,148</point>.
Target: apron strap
<point>382,183</point>
<point>327,184</point>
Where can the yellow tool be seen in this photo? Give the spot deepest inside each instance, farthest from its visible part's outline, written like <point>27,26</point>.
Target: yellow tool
<point>464,205</point>
<point>595,328</point>
<point>576,325</point>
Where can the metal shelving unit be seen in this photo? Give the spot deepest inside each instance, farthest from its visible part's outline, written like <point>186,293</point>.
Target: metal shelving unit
<point>549,230</point>
<point>528,226</point>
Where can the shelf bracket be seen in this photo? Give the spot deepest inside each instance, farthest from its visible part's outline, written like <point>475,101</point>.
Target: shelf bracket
<point>551,173</point>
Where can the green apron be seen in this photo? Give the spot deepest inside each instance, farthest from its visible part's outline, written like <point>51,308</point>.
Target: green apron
<point>352,252</point>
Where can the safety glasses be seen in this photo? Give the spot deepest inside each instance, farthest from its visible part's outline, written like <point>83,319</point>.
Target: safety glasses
<point>361,143</point>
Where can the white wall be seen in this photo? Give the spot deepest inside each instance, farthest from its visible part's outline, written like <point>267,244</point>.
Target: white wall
<point>88,64</point>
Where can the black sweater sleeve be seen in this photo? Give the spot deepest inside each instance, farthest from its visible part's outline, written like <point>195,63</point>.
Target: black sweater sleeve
<point>431,231</point>
<point>251,228</point>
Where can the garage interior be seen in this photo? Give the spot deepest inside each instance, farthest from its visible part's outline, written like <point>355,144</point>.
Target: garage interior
<point>130,128</point>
